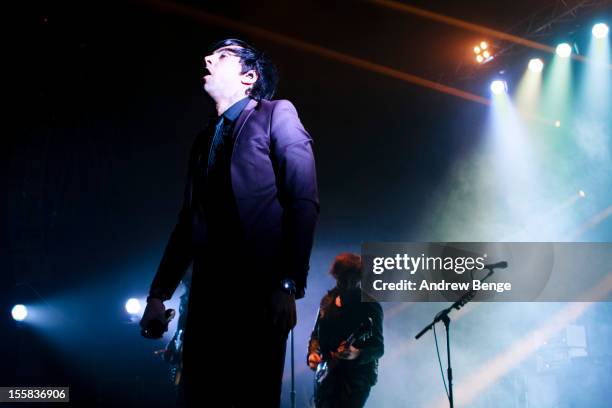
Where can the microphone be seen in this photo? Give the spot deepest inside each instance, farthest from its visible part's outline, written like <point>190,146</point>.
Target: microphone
<point>500,265</point>
<point>156,328</point>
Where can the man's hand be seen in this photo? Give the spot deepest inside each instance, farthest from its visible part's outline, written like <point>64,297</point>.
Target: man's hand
<point>154,322</point>
<point>347,353</point>
<point>282,305</point>
<point>313,360</point>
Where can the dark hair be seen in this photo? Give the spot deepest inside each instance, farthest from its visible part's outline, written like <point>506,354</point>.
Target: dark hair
<point>346,269</point>
<point>253,59</point>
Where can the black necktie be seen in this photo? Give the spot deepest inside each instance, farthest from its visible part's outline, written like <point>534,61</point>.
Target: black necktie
<point>217,142</point>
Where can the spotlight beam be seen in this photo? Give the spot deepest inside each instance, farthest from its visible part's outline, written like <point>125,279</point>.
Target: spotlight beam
<point>591,223</point>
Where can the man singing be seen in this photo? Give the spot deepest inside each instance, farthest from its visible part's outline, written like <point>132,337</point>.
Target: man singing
<point>342,315</point>
<point>247,224</point>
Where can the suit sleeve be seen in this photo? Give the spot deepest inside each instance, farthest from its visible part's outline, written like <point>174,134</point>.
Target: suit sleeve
<point>298,193</point>
<point>373,348</point>
<point>178,253</point>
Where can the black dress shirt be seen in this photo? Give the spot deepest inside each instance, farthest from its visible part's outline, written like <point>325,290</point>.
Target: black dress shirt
<point>214,197</point>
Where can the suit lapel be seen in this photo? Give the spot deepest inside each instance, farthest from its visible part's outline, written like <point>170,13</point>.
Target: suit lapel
<point>242,119</point>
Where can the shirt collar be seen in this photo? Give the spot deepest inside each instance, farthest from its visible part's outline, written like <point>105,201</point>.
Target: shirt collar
<point>236,109</point>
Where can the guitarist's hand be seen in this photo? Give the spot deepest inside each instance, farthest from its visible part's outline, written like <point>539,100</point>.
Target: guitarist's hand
<point>347,353</point>
<point>282,306</point>
<point>313,360</point>
<point>155,319</point>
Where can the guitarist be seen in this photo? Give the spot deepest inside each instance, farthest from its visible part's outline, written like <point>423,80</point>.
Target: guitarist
<point>340,314</point>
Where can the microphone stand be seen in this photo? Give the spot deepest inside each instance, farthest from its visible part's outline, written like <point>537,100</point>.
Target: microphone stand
<point>443,316</point>
<point>292,373</point>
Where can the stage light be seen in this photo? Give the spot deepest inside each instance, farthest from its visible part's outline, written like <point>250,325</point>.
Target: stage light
<point>582,194</point>
<point>19,312</point>
<point>564,50</point>
<point>536,65</point>
<point>600,30</point>
<point>483,55</point>
<point>498,87</point>
<point>132,306</point>
<point>557,123</point>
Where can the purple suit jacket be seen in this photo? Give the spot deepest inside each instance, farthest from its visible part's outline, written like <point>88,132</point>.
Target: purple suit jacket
<point>274,183</point>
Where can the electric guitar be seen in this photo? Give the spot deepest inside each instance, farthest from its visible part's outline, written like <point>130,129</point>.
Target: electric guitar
<point>173,355</point>
<point>325,369</point>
